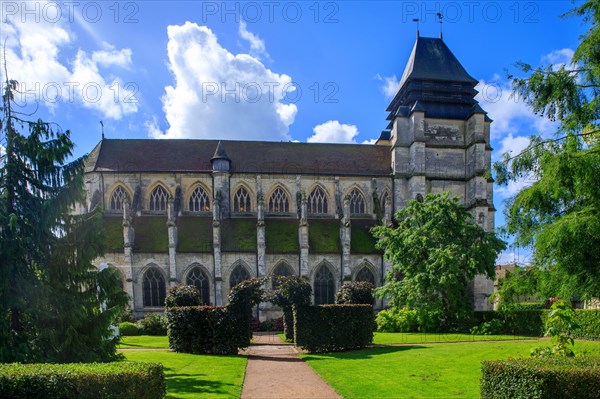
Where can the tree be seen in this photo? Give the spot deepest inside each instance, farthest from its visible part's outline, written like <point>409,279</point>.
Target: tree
<point>559,214</point>
<point>54,305</point>
<point>436,250</point>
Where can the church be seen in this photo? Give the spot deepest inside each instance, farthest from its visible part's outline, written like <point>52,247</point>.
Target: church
<point>213,213</point>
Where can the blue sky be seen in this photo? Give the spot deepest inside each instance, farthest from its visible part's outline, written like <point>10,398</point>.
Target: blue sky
<point>306,71</point>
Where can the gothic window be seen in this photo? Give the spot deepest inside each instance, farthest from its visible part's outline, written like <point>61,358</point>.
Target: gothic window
<point>199,201</point>
<point>279,201</point>
<point>281,270</point>
<point>198,279</point>
<point>241,200</point>
<point>154,288</point>
<point>365,274</point>
<point>357,202</point>
<point>317,201</point>
<point>324,286</point>
<point>117,199</point>
<point>238,275</point>
<point>158,199</point>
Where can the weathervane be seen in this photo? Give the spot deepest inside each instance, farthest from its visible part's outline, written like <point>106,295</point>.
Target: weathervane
<point>440,17</point>
<point>417,21</point>
<point>102,124</point>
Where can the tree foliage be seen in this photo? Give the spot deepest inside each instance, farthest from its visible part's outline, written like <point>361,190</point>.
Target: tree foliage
<point>436,250</point>
<point>54,304</point>
<point>559,214</point>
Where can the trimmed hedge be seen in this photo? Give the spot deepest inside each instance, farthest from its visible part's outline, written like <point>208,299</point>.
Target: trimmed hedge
<point>123,380</point>
<point>532,322</point>
<point>206,329</point>
<point>541,378</point>
<point>329,328</point>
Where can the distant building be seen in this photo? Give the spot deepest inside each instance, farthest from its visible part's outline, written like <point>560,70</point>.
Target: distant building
<point>213,213</point>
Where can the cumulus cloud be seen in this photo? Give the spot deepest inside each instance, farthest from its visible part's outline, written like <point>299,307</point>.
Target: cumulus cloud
<point>257,45</point>
<point>389,86</point>
<point>559,57</point>
<point>509,257</point>
<point>333,132</point>
<point>33,58</point>
<point>220,94</point>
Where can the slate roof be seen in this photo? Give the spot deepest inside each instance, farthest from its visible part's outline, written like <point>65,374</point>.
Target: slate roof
<point>146,155</point>
<point>431,59</point>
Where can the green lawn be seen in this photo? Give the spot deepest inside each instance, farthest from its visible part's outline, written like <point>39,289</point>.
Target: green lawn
<point>196,376</point>
<point>418,371</point>
<point>420,338</point>
<point>144,341</point>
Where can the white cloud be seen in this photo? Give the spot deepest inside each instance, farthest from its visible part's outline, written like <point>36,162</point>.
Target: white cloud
<point>371,141</point>
<point>559,57</point>
<point>153,128</point>
<point>257,45</point>
<point>390,85</point>
<point>219,94</point>
<point>34,59</point>
<point>333,132</point>
<point>110,56</point>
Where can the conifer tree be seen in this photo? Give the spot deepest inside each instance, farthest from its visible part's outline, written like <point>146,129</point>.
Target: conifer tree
<point>54,304</point>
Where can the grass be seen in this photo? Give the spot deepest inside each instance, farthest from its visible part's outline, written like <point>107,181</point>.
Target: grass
<point>420,338</point>
<point>144,341</point>
<point>196,376</point>
<point>417,371</point>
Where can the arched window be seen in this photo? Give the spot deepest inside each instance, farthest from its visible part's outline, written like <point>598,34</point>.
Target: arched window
<point>199,201</point>
<point>117,199</point>
<point>365,274</point>
<point>317,201</point>
<point>158,199</point>
<point>279,201</point>
<point>198,279</point>
<point>281,270</point>
<point>154,288</point>
<point>241,200</point>
<point>324,286</point>
<point>357,202</point>
<point>238,275</point>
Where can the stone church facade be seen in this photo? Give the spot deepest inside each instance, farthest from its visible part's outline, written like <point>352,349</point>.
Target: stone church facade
<point>213,213</point>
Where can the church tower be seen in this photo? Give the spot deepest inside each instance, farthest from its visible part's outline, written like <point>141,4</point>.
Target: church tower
<point>440,137</point>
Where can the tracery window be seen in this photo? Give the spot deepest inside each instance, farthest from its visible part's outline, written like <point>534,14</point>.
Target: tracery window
<point>154,288</point>
<point>357,202</point>
<point>117,198</point>
<point>365,274</point>
<point>279,201</point>
<point>241,200</point>
<point>199,201</point>
<point>324,286</point>
<point>238,275</point>
<point>158,199</point>
<point>281,270</point>
<point>198,279</point>
<point>317,201</point>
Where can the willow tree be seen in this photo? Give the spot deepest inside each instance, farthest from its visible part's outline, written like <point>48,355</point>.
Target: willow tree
<point>559,214</point>
<point>54,304</point>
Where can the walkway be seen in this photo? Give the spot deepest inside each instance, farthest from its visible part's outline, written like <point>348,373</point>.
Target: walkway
<point>275,370</point>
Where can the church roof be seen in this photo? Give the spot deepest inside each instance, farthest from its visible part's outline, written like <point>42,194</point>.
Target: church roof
<point>431,59</point>
<point>268,157</point>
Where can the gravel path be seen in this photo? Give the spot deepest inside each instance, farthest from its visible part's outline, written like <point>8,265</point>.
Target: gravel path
<point>275,370</point>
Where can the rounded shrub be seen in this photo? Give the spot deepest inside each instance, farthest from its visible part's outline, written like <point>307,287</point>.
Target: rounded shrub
<point>128,328</point>
<point>153,324</point>
<point>355,293</point>
<point>183,295</point>
<point>397,320</point>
